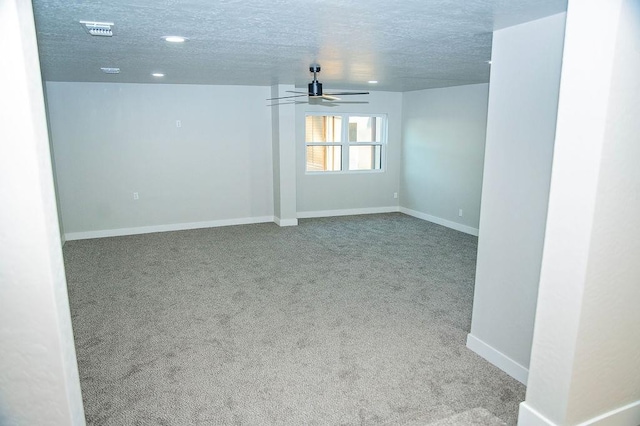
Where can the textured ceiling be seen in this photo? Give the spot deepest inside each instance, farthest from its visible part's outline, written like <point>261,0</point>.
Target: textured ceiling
<point>405,45</point>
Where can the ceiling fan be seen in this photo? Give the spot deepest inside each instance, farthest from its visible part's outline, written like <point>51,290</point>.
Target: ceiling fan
<point>315,90</point>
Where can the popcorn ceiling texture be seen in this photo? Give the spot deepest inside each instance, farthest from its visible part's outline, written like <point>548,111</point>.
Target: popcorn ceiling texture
<point>352,320</point>
<point>406,45</point>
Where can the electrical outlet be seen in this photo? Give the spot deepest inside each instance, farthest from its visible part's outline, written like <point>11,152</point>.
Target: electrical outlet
<point>178,123</point>
<point>135,196</point>
<point>395,195</point>
<point>460,212</point>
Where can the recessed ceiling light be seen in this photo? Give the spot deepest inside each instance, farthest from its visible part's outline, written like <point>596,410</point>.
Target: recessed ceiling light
<point>372,81</point>
<point>108,70</point>
<point>175,39</point>
<point>157,74</point>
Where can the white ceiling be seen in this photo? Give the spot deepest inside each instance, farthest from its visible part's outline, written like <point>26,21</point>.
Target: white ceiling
<point>405,45</point>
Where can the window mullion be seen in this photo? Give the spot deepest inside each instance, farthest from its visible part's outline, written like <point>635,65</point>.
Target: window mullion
<point>345,142</point>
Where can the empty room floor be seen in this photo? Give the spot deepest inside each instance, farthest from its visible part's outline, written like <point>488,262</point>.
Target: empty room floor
<point>356,320</point>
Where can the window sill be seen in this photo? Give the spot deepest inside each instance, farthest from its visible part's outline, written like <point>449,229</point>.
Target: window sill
<point>343,172</point>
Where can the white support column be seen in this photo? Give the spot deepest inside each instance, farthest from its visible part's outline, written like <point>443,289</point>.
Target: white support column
<point>284,158</point>
<point>585,362</point>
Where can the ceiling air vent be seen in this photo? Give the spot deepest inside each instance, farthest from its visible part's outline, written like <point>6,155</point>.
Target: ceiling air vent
<point>110,70</point>
<point>103,29</point>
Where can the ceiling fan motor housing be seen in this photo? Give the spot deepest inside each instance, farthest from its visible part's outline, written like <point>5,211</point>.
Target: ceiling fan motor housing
<point>315,88</point>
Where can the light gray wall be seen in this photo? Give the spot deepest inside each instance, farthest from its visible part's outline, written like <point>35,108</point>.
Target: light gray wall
<point>523,100</point>
<point>39,383</point>
<point>585,362</point>
<point>443,136</point>
<point>111,140</point>
<point>344,191</point>
<point>55,179</point>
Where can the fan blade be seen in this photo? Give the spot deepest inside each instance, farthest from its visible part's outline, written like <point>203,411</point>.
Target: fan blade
<point>288,103</point>
<point>293,91</point>
<point>339,103</point>
<point>346,93</point>
<point>286,97</point>
<point>329,97</point>
<point>345,102</point>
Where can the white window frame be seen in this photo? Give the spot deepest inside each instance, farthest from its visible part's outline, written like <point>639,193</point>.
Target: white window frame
<point>345,144</point>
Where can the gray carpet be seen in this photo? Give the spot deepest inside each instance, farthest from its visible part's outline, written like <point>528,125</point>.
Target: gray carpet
<point>474,417</point>
<point>355,320</point>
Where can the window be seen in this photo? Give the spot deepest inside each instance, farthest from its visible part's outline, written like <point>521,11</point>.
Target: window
<point>344,142</point>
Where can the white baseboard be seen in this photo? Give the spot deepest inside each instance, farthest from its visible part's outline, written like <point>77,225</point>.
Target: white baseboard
<point>527,416</point>
<point>281,222</point>
<point>498,359</point>
<point>348,212</point>
<point>438,220</point>
<point>285,222</point>
<point>626,415</point>
<point>164,228</point>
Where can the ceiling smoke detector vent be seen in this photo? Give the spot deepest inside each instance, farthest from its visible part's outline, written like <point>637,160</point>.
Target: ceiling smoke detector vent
<point>103,29</point>
<point>107,70</point>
